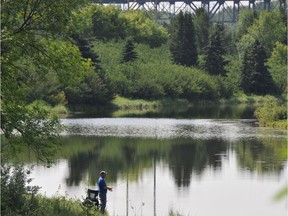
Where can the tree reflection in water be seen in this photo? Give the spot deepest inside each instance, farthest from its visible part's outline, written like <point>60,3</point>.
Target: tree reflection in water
<point>183,156</point>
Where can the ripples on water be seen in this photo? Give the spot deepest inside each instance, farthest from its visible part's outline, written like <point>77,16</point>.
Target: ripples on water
<point>168,128</point>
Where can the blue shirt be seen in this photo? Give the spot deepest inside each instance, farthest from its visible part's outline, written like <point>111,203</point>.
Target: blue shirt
<point>102,185</point>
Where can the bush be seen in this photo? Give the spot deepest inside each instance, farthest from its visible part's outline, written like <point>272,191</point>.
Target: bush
<point>59,110</point>
<point>16,197</point>
<point>153,76</point>
<point>147,89</point>
<point>110,23</point>
<point>271,113</point>
<point>59,98</point>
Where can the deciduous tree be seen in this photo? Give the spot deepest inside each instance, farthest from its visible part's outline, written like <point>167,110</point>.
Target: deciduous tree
<point>34,32</point>
<point>277,66</point>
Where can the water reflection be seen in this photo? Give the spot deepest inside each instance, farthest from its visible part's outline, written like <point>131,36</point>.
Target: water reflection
<point>195,111</point>
<point>194,157</point>
<point>184,157</point>
<point>262,155</point>
<point>202,162</point>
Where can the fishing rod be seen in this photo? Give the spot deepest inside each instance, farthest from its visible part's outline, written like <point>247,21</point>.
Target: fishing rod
<point>119,184</point>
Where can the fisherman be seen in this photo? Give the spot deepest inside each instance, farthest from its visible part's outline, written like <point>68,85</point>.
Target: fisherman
<point>103,190</point>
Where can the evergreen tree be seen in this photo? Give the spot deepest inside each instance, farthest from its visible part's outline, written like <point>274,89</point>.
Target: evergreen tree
<point>245,21</point>
<point>95,89</point>
<point>183,40</point>
<point>86,52</point>
<point>202,25</point>
<point>256,78</point>
<point>214,52</point>
<point>129,53</point>
<point>177,34</point>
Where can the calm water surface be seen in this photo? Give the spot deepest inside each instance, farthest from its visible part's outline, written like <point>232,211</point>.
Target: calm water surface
<point>198,167</point>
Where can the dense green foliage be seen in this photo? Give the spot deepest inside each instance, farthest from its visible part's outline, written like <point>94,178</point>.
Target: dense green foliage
<point>245,20</point>
<point>214,52</point>
<point>112,23</point>
<point>277,66</point>
<point>19,198</point>
<point>183,40</point>
<point>256,78</point>
<point>36,64</point>
<point>67,52</point>
<point>153,75</point>
<point>16,197</point>
<point>202,27</point>
<point>272,114</point>
<point>99,33</point>
<point>129,53</point>
<point>257,30</point>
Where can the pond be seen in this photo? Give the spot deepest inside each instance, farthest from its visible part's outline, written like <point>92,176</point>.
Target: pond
<point>192,166</point>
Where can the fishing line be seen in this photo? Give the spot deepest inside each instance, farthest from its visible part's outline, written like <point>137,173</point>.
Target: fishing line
<point>119,184</point>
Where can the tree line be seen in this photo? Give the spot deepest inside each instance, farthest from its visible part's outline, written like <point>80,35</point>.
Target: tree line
<point>75,52</point>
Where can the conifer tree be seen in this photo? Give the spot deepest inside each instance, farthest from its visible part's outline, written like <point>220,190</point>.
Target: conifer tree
<point>214,52</point>
<point>96,88</point>
<point>183,41</point>
<point>129,53</point>
<point>177,32</point>
<point>202,25</point>
<point>86,52</point>
<point>256,78</point>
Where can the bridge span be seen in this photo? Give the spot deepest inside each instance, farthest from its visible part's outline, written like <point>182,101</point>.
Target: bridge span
<point>219,10</point>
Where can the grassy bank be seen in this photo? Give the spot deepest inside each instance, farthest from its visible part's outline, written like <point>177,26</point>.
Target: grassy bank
<point>125,103</point>
<point>131,104</point>
<point>57,205</point>
<point>64,206</point>
<point>270,112</point>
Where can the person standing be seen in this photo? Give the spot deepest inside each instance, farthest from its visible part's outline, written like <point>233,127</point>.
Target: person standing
<point>103,190</point>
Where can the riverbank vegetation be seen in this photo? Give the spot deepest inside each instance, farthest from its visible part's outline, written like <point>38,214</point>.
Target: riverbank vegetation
<point>272,114</point>
<point>19,198</point>
<point>87,61</point>
<point>61,54</point>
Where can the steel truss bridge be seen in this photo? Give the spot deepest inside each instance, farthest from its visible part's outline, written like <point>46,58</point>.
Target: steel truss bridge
<point>218,10</point>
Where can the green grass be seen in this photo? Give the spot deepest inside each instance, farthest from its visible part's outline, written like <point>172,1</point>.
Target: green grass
<point>57,205</point>
<point>63,206</point>
<point>247,99</point>
<point>59,110</point>
<point>125,103</point>
<point>124,106</point>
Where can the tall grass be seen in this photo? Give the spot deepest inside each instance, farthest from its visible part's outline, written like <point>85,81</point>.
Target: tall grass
<point>64,206</point>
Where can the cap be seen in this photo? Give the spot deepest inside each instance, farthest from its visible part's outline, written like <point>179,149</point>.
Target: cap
<point>103,172</point>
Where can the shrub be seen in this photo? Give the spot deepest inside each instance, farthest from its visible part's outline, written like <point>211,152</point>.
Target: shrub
<point>59,98</point>
<point>271,112</point>
<point>16,197</point>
